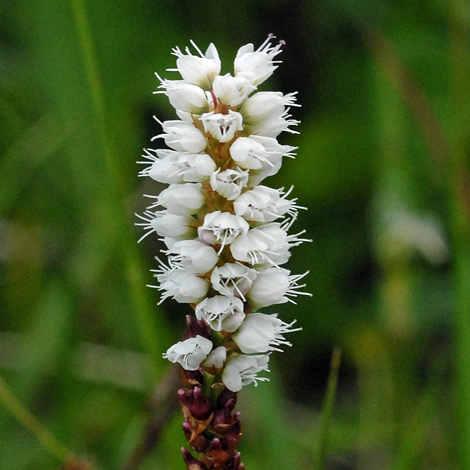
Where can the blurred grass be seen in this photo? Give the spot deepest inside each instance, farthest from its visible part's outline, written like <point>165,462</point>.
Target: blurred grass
<point>388,215</point>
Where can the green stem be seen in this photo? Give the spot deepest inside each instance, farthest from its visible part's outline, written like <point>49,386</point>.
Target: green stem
<point>30,422</point>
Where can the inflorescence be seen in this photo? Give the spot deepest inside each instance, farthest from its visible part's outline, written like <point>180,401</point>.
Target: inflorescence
<point>226,234</point>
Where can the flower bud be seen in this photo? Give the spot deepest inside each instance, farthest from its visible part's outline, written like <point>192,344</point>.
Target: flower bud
<point>266,105</point>
<point>194,256</point>
<point>215,360</point>
<point>173,226</point>
<point>270,287</point>
<point>185,97</point>
<point>232,91</point>
<point>232,438</point>
<point>186,199</point>
<point>199,442</point>
<point>183,136</point>
<point>235,463</point>
<point>222,421</point>
<point>198,405</point>
<point>183,286</point>
<point>172,167</point>
<point>225,396</point>
<point>191,462</point>
<point>195,328</point>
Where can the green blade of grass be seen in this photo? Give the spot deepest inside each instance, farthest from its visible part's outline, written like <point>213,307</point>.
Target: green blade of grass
<point>151,332</point>
<point>327,411</point>
<point>458,182</point>
<point>29,421</point>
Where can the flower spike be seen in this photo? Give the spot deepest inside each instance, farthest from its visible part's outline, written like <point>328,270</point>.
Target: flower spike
<point>226,235</point>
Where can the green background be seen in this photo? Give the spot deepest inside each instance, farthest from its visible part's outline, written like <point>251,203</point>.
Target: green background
<point>382,166</point>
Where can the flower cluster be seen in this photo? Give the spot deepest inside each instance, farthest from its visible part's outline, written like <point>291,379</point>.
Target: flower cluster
<point>226,234</point>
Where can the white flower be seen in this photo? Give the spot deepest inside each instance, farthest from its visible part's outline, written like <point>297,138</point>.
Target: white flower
<point>232,91</point>
<point>181,199</point>
<point>193,255</point>
<point>266,105</point>
<point>180,284</point>
<point>168,225</point>
<point>249,154</point>
<point>199,71</point>
<point>216,358</point>
<point>256,176</point>
<point>222,127</point>
<point>185,97</point>
<point>259,64</point>
<point>242,370</point>
<point>229,183</point>
<point>273,125</point>
<point>264,204</point>
<point>260,333</point>
<point>221,312</point>
<point>221,228</point>
<point>183,136</point>
<point>233,279</point>
<point>190,352</point>
<point>274,286</point>
<point>258,152</point>
<point>224,244</point>
<point>266,245</point>
<point>173,167</point>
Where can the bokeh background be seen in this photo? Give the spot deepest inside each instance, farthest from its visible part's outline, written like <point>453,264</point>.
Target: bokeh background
<point>382,166</point>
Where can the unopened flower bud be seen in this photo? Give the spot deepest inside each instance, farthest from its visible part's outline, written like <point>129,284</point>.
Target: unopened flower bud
<point>215,360</point>
<point>191,462</point>
<point>185,97</point>
<point>225,396</point>
<point>180,199</point>
<point>232,91</point>
<point>222,421</point>
<point>196,327</point>
<point>197,404</point>
<point>232,438</point>
<point>194,255</point>
<point>183,136</point>
<point>266,105</point>
<point>235,463</point>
